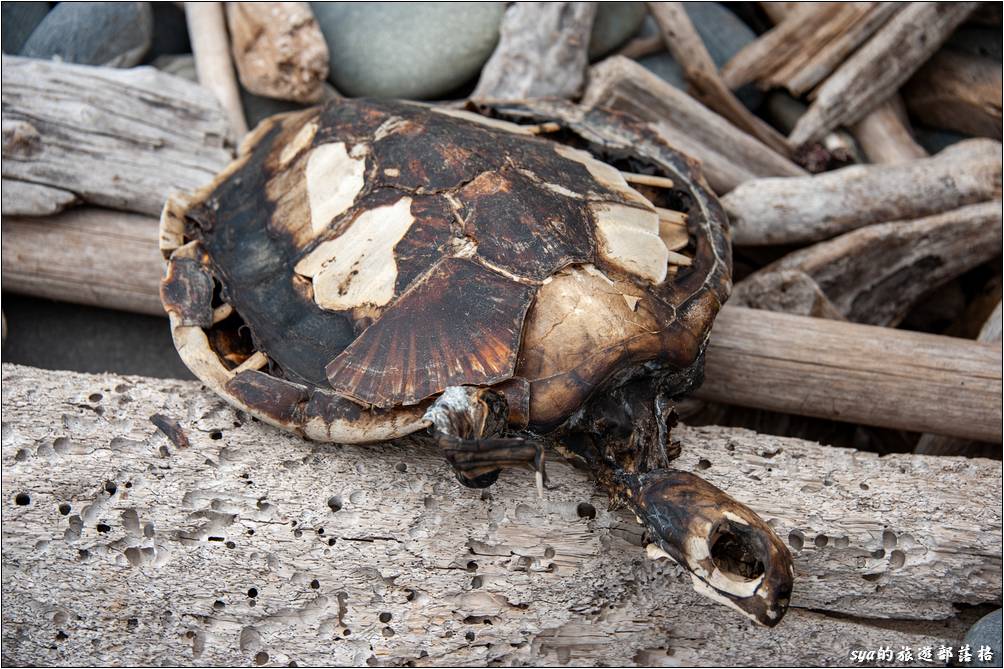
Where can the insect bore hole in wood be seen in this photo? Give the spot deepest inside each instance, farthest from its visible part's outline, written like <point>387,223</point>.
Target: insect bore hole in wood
<point>22,499</point>
<point>586,510</point>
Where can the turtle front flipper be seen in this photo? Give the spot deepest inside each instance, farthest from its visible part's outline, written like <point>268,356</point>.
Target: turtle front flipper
<point>732,554</point>
<point>465,422</point>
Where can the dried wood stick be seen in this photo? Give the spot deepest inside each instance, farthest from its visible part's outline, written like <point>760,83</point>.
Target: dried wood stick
<point>957,91</point>
<point>884,134</point>
<point>683,41</point>
<point>856,373</point>
<point>640,47</point>
<point>729,155</point>
<point>278,49</point>
<point>210,45</point>
<point>876,274</point>
<point>329,540</point>
<point>780,349</point>
<point>543,51</point>
<point>162,133</point>
<point>876,70</point>
<point>807,209</point>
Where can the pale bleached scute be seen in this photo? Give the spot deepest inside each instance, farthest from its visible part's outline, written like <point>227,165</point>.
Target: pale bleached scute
<point>629,239</point>
<point>334,179</point>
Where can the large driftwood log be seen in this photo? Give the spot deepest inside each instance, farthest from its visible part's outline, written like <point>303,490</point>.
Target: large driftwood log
<point>876,70</point>
<point>782,349</point>
<point>729,155</point>
<point>957,91</point>
<point>884,134</point>
<point>876,274</point>
<point>785,211</point>
<point>211,47</point>
<point>278,49</point>
<point>116,138</point>
<point>247,545</point>
<point>23,198</point>
<point>856,373</point>
<point>700,71</point>
<point>543,51</point>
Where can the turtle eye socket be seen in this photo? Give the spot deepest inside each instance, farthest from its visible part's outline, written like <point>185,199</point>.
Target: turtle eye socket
<point>734,551</point>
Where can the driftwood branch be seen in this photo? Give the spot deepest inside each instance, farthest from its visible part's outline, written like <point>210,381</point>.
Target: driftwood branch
<point>876,274</point>
<point>251,545</point>
<point>729,156</point>
<point>958,91</point>
<point>24,198</point>
<point>117,138</point>
<point>700,71</point>
<point>207,31</point>
<point>784,211</point>
<point>543,51</point>
<point>278,49</point>
<point>786,349</point>
<point>876,70</point>
<point>884,134</point>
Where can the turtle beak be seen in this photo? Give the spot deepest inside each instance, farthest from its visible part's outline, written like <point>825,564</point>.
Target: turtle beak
<point>733,556</point>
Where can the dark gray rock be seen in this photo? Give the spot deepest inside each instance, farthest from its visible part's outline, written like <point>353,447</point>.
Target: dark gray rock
<point>407,50</point>
<point>723,33</point>
<point>19,20</point>
<point>986,632</point>
<point>170,31</point>
<point>615,24</point>
<point>935,139</point>
<point>115,34</point>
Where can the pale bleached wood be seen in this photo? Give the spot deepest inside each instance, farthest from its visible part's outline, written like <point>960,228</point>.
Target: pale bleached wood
<point>741,332</point>
<point>90,256</point>
<point>957,91</point>
<point>23,198</point>
<point>701,73</point>
<point>876,70</point>
<point>884,134</point>
<point>542,52</point>
<point>876,274</point>
<point>785,211</point>
<point>278,49</point>
<point>117,138</point>
<point>207,31</point>
<point>855,373</point>
<point>728,155</point>
<point>375,554</point>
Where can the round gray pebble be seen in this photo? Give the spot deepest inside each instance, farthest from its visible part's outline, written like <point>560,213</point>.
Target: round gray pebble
<point>407,50</point>
<point>986,632</point>
<point>114,34</point>
<point>19,20</point>
<point>615,23</point>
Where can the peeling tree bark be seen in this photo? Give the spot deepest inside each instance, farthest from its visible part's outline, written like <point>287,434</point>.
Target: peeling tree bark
<point>116,138</point>
<point>787,211</point>
<point>542,52</point>
<point>252,545</point>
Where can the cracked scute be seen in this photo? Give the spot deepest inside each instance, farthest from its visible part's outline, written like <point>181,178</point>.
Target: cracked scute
<point>334,179</point>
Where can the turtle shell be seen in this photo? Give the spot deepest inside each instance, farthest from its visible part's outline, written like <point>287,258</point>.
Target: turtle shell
<point>359,258</point>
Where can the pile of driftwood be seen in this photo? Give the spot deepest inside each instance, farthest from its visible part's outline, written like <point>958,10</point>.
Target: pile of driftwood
<point>170,541</point>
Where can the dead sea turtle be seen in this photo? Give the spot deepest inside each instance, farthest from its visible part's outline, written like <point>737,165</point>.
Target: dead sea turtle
<point>502,277</point>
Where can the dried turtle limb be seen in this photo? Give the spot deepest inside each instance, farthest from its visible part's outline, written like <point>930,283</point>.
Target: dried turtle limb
<point>884,134</point>
<point>165,134</point>
<point>876,70</point>
<point>688,50</point>
<point>876,274</point>
<point>208,32</point>
<point>728,155</point>
<point>278,49</point>
<point>785,211</point>
<point>542,52</point>
<point>957,91</point>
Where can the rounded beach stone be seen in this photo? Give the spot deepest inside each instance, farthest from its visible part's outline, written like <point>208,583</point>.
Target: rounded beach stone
<point>615,23</point>
<point>407,50</point>
<point>19,21</point>
<point>114,34</point>
<point>986,632</point>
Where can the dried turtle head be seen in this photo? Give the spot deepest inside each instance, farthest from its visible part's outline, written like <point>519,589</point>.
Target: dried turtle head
<point>499,277</point>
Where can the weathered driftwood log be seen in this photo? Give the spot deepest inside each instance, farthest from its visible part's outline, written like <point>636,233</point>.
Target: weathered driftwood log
<point>251,545</point>
<point>23,198</point>
<point>27,266</point>
<point>876,70</point>
<point>210,45</point>
<point>807,45</point>
<point>90,256</point>
<point>884,134</point>
<point>957,91</point>
<point>700,71</point>
<point>856,373</point>
<point>116,138</point>
<point>876,274</point>
<point>785,211</point>
<point>278,49</point>
<point>729,155</point>
<point>543,51</point>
